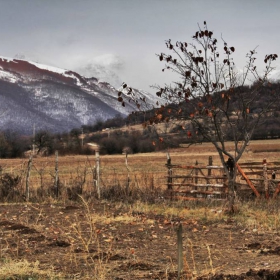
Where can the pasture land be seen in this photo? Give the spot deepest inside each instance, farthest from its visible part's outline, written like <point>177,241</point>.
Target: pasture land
<point>142,168</point>
<point>133,235</point>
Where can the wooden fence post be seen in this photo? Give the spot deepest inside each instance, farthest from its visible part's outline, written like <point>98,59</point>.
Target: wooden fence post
<point>128,178</point>
<point>169,172</point>
<point>196,172</point>
<point>210,163</point>
<point>265,178</point>
<point>27,189</point>
<point>180,249</point>
<point>97,173</point>
<point>56,185</point>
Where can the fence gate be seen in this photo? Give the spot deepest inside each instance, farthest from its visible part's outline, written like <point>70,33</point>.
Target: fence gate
<point>200,182</point>
<point>263,176</point>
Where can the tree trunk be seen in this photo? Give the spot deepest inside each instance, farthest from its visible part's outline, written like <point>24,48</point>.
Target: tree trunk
<point>231,195</point>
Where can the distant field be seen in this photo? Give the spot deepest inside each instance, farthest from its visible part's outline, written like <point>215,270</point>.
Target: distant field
<point>141,169</point>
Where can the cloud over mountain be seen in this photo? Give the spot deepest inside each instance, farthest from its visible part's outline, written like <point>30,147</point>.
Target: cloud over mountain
<point>106,67</point>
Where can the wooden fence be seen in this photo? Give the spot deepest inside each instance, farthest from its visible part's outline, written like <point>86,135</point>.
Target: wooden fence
<point>191,182</point>
<point>263,176</point>
<point>198,181</point>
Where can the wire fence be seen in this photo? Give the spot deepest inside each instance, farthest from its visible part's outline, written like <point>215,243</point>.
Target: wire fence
<point>80,172</point>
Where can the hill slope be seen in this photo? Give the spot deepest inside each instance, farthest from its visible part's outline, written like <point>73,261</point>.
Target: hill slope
<point>52,98</point>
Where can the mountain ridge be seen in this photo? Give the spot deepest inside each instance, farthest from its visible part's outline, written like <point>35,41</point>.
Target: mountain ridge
<point>54,99</point>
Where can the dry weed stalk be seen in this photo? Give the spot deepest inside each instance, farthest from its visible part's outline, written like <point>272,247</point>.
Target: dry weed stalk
<point>194,270</point>
<point>97,261</point>
<point>210,259</point>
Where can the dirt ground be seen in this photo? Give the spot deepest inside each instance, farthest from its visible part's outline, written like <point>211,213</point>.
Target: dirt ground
<point>109,241</point>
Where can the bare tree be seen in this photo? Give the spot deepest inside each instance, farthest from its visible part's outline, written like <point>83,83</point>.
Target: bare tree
<point>216,101</point>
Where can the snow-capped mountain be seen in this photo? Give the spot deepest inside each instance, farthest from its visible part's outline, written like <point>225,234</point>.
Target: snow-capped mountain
<point>54,99</point>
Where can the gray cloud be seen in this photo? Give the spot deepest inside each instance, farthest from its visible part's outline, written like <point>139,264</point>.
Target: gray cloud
<point>83,35</point>
<point>106,67</point>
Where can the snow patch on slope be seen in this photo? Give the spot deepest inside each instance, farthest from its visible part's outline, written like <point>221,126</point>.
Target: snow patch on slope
<point>8,59</point>
<point>49,68</point>
<point>6,76</point>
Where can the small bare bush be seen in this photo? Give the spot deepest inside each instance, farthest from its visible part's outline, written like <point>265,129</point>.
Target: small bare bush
<point>9,187</point>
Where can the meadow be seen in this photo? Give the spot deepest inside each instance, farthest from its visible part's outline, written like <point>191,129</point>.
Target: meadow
<point>131,232</point>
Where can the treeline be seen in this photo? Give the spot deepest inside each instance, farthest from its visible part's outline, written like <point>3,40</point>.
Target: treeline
<point>114,136</point>
<point>99,125</point>
<point>12,144</point>
<point>115,139</point>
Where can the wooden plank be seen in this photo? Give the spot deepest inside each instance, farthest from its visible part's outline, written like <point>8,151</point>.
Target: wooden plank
<point>260,167</point>
<point>200,177</point>
<point>194,198</point>
<point>198,192</point>
<point>252,172</point>
<point>194,167</point>
<point>248,181</point>
<point>199,185</point>
<point>258,163</point>
<point>249,163</point>
<point>261,179</point>
<point>186,198</point>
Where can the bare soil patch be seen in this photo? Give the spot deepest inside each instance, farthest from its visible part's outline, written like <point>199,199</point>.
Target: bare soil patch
<point>109,241</point>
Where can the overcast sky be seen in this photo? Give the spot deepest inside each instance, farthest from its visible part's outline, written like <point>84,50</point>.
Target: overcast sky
<point>117,39</point>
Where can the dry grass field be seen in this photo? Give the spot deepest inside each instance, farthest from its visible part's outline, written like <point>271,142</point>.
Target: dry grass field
<point>113,167</point>
<point>131,233</point>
